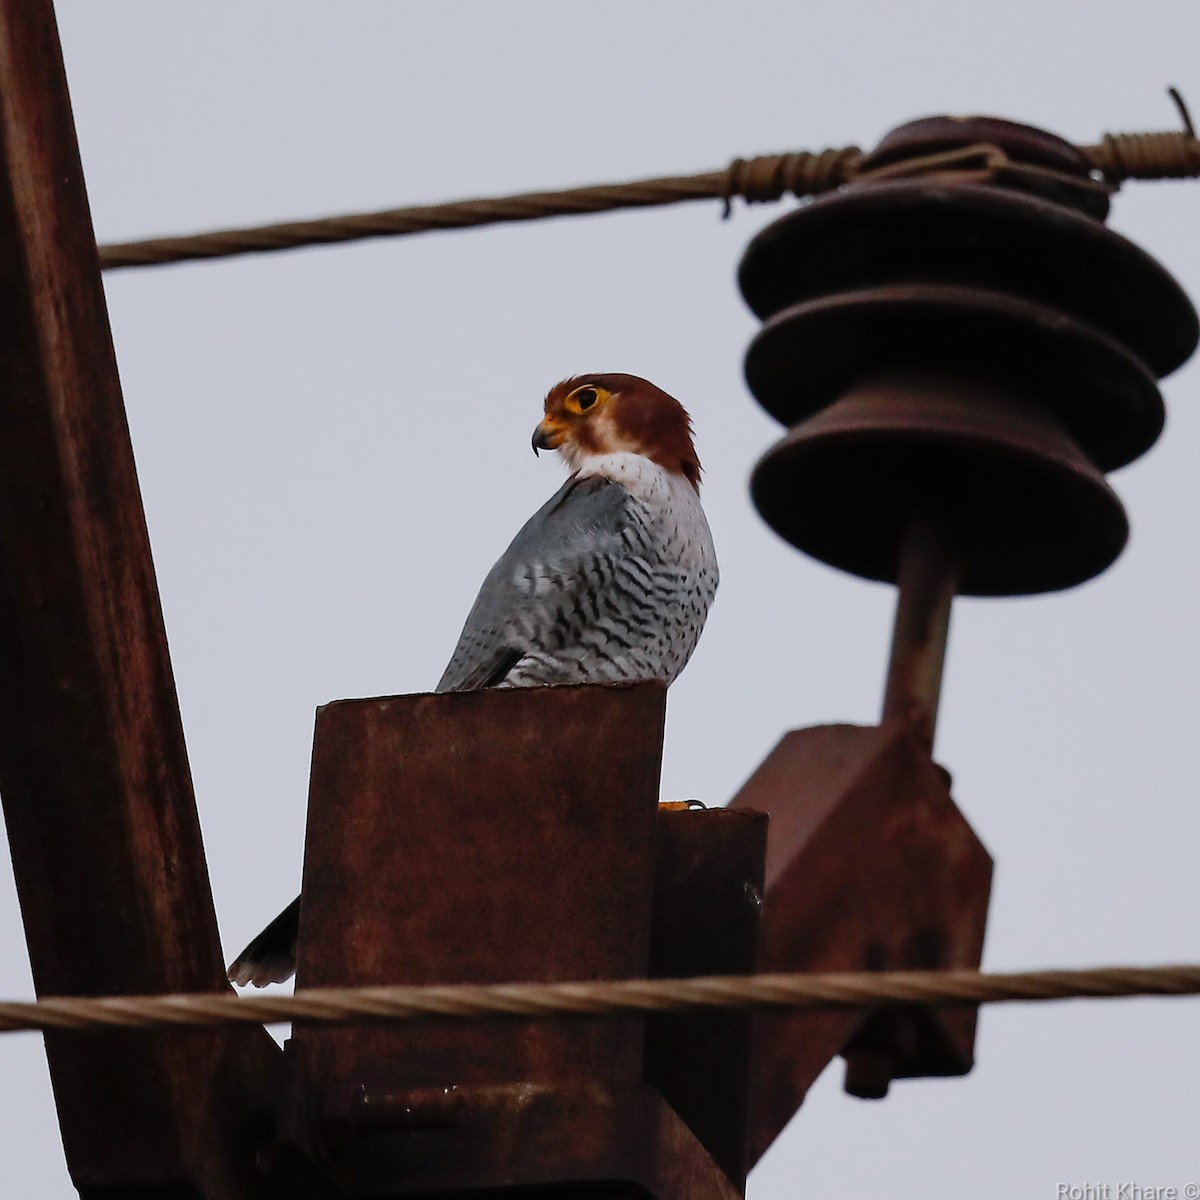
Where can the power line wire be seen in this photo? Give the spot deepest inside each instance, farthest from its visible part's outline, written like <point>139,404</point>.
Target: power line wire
<point>1117,157</point>
<point>468,1001</point>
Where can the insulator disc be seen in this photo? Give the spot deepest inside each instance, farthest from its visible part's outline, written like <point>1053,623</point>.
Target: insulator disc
<point>1022,504</point>
<point>808,355</point>
<point>974,235</point>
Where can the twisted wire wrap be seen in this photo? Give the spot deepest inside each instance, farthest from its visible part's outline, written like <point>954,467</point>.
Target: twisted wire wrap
<point>801,173</point>
<point>466,1001</point>
<point>1171,155</point>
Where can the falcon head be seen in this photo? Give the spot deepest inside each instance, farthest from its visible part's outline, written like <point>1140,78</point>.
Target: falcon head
<point>591,415</point>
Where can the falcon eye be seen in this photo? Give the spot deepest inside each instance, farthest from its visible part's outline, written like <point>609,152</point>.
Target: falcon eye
<point>586,397</point>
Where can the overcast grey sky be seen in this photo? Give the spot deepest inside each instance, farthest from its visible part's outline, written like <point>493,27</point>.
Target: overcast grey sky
<point>293,415</point>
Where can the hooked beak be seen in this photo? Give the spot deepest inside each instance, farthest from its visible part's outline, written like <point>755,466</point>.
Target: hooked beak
<point>548,435</point>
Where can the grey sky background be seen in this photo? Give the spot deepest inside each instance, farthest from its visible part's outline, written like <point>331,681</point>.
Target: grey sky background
<point>333,449</point>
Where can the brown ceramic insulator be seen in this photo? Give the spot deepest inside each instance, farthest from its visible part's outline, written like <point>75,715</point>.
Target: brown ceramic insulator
<point>966,344</point>
<point>975,235</point>
<point>1024,508</point>
<point>1102,393</point>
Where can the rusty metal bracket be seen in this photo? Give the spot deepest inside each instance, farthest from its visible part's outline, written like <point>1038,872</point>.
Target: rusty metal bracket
<point>870,866</point>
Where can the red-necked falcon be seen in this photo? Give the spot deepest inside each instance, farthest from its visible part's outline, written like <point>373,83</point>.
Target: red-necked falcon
<point>609,581</point>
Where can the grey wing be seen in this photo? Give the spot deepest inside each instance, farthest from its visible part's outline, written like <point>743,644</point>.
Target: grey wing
<point>545,568</point>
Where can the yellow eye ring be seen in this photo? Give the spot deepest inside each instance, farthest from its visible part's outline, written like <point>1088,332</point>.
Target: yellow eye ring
<point>584,398</point>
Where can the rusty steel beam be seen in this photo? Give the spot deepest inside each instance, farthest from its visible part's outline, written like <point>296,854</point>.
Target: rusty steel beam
<point>870,866</point>
<point>708,888</point>
<point>97,794</point>
<point>484,837</point>
<point>480,837</point>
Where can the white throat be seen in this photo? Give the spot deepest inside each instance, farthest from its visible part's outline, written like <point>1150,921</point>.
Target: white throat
<point>635,472</point>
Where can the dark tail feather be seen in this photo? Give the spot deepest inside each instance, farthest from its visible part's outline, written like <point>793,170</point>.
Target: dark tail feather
<point>270,957</point>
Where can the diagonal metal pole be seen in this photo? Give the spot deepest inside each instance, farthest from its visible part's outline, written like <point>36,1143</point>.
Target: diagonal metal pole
<point>97,793</point>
